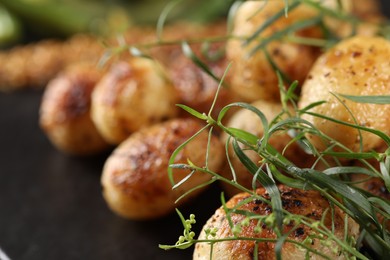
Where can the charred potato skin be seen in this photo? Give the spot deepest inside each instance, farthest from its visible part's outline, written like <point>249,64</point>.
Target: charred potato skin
<point>307,203</point>
<point>65,111</point>
<point>357,66</point>
<point>135,178</point>
<point>132,94</point>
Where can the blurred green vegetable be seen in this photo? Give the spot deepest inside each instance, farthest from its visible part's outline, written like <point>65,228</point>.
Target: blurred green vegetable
<point>148,11</point>
<point>10,28</point>
<point>62,18</point>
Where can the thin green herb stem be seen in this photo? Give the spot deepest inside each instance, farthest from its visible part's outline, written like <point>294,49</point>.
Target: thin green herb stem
<point>177,150</point>
<point>367,210</point>
<point>326,232</point>
<point>269,22</point>
<point>382,135</point>
<point>328,196</point>
<point>162,42</point>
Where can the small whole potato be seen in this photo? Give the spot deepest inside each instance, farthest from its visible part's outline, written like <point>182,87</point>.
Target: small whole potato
<point>358,66</point>
<point>135,177</point>
<point>131,95</point>
<point>308,203</point>
<point>65,110</point>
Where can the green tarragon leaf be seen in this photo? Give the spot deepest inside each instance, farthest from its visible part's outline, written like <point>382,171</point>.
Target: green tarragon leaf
<point>380,100</point>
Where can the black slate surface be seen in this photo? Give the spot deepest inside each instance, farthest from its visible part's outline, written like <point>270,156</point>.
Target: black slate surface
<point>51,205</point>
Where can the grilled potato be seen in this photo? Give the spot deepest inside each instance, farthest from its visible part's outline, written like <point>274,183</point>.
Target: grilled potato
<point>65,110</point>
<point>303,202</point>
<point>358,66</point>
<point>252,75</point>
<point>135,178</point>
<point>131,95</point>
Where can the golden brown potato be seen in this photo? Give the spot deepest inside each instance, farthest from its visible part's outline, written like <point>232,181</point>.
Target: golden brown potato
<point>194,87</point>
<point>135,178</point>
<point>358,66</point>
<point>65,110</point>
<point>248,121</point>
<point>253,77</point>
<point>133,94</point>
<point>301,202</point>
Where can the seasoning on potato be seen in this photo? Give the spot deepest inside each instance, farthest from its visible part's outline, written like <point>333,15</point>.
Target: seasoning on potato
<point>358,66</point>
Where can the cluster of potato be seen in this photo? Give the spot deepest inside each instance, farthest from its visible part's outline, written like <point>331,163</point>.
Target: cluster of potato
<point>130,105</point>
<point>126,94</point>
<point>355,66</point>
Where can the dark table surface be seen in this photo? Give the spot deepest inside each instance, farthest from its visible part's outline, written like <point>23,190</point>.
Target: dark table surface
<point>51,205</point>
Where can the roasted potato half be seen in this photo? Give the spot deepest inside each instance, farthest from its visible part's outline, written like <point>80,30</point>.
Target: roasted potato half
<point>135,177</point>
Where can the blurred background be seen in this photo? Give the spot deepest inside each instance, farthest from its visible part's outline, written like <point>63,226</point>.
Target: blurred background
<point>26,20</point>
